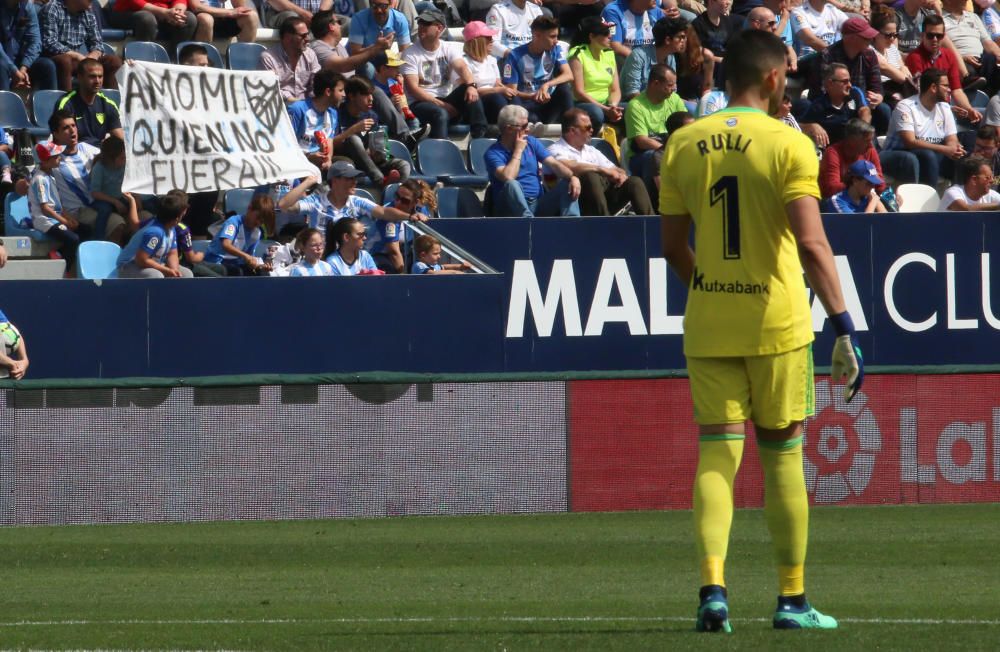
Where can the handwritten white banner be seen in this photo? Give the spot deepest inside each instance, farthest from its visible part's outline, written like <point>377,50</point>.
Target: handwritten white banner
<point>201,129</point>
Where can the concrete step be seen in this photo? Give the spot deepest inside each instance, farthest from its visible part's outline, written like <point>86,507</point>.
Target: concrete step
<point>33,270</point>
<point>17,246</point>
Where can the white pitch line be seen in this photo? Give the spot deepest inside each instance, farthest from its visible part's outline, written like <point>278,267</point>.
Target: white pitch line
<point>471,619</point>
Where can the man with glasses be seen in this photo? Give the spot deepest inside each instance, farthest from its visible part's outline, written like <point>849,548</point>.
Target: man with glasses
<point>764,19</point>
<point>840,102</point>
<point>378,21</point>
<point>976,192</point>
<point>646,124</point>
<point>605,188</point>
<point>669,38</point>
<point>516,188</point>
<point>931,54</point>
<point>922,133</point>
<point>292,61</point>
<point>439,84</point>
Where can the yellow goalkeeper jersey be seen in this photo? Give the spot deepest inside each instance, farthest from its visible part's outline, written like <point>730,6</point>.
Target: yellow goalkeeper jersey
<point>733,172</point>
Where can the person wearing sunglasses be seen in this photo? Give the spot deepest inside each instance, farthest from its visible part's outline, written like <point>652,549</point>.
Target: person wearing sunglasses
<point>897,80</point>
<point>932,54</point>
<point>976,192</point>
<point>764,18</point>
<point>840,102</point>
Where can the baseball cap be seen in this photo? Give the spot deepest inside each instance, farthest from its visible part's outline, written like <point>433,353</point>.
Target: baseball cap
<point>865,170</point>
<point>431,16</point>
<point>386,59</point>
<point>47,149</point>
<point>858,26</point>
<point>344,170</point>
<point>595,25</point>
<point>475,29</point>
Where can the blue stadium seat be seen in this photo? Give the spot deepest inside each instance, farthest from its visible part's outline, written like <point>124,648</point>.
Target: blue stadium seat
<point>114,95</point>
<point>13,115</point>
<point>361,192</point>
<point>442,160</point>
<point>477,148</point>
<point>605,148</point>
<point>146,51</point>
<point>97,259</point>
<point>108,34</point>
<point>106,48</point>
<point>17,218</point>
<point>236,200</point>
<point>214,58</point>
<point>979,100</point>
<point>201,246</point>
<point>459,202</point>
<point>244,56</point>
<point>459,131</point>
<point>389,194</point>
<point>399,150</point>
<point>43,104</point>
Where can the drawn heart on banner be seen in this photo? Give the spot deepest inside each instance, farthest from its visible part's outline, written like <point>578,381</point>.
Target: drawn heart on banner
<point>265,101</point>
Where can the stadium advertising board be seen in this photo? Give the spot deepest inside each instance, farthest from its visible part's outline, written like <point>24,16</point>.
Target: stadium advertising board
<point>200,129</point>
<point>633,444</point>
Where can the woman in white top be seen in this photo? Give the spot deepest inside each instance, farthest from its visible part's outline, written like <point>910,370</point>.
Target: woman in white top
<point>897,80</point>
<point>478,39</point>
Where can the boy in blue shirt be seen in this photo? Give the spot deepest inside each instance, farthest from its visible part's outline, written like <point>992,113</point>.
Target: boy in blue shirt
<point>859,196</point>
<point>427,249</point>
<point>234,244</point>
<point>47,214</point>
<point>152,251</point>
<point>540,74</point>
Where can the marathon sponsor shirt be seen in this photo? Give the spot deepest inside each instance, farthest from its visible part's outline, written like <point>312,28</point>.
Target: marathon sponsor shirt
<point>43,190</point>
<point>320,212</point>
<point>155,239</point>
<point>528,71</point>
<point>512,25</point>
<point>433,69</point>
<point>340,268</point>
<point>234,231</point>
<point>306,121</point>
<point>73,177</point>
<point>628,28</point>
<point>734,172</point>
<point>928,126</point>
<point>824,25</point>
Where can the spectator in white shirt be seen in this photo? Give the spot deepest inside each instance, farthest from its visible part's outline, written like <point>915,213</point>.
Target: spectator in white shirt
<point>511,20</point>
<point>605,187</point>
<point>485,71</point>
<point>816,25</point>
<point>976,192</point>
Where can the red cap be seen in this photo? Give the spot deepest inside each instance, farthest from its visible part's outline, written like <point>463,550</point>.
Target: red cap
<point>858,26</point>
<point>48,149</point>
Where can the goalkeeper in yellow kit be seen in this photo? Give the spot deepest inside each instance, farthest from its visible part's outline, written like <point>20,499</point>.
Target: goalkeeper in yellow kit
<point>749,185</point>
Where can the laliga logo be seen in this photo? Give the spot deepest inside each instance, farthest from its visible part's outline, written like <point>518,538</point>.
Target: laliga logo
<point>841,471</point>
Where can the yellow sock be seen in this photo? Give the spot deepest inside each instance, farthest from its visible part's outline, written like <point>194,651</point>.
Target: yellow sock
<point>786,507</point>
<point>718,460</point>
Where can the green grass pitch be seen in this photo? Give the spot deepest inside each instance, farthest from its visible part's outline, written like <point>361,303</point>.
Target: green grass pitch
<point>903,578</point>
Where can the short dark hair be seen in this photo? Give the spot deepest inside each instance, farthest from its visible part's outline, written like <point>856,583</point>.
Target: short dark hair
<point>191,49</point>
<point>930,77</point>
<point>87,63</point>
<point>320,23</point>
<point>665,28</point>
<point>424,243</point>
<point>171,206</point>
<point>659,71</point>
<point>544,24</point>
<point>749,56</point>
<point>570,118</point>
<point>111,148</point>
<point>931,20</point>
<point>970,167</point>
<point>678,119</point>
<point>336,231</point>
<point>358,85</point>
<point>288,26</point>
<point>987,132</point>
<point>58,117</point>
<point>325,79</point>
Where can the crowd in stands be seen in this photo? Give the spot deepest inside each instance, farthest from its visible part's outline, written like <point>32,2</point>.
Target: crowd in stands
<point>890,93</point>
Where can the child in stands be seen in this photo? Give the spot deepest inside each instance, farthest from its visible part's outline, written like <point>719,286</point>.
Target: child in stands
<point>311,242</point>
<point>428,251</point>
<point>47,214</point>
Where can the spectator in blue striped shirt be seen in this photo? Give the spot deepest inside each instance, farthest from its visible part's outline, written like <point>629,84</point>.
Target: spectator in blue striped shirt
<point>311,243</point>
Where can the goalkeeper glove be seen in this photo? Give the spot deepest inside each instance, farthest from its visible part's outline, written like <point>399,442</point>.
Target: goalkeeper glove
<point>847,361</point>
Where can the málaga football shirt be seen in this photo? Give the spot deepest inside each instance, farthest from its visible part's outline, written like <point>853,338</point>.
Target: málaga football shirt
<point>733,172</point>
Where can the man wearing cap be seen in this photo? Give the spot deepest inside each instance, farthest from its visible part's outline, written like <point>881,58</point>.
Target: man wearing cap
<point>860,195</point>
<point>976,192</point>
<point>431,67</point>
<point>511,20</point>
<point>322,211</point>
<point>540,74</point>
<point>378,21</point>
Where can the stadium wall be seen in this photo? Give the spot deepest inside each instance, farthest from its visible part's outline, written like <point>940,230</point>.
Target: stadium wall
<point>322,398</point>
